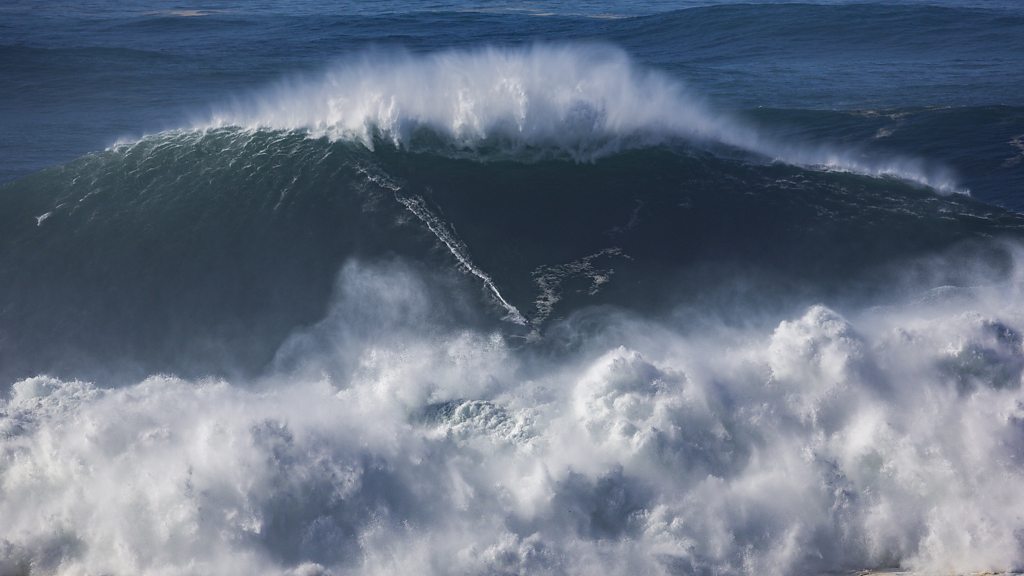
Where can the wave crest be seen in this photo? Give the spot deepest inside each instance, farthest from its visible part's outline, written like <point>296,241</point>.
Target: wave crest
<point>583,100</point>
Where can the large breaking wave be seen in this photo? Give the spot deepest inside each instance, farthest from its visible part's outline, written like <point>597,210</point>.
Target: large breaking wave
<point>581,326</point>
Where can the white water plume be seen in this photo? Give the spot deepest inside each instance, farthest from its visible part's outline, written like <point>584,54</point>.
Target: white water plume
<point>583,100</point>
<point>889,437</point>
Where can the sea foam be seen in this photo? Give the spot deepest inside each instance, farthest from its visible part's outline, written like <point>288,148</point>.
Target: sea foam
<point>383,444</point>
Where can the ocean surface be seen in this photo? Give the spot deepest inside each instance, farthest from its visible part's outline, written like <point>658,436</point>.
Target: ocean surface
<point>474,287</point>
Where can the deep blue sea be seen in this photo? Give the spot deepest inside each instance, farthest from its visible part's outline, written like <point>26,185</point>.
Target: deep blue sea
<point>484,287</point>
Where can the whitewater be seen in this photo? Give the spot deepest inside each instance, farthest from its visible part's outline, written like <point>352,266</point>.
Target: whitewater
<point>583,101</point>
<point>888,439</point>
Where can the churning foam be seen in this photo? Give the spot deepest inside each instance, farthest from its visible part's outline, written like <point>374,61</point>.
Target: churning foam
<point>583,100</point>
<point>393,446</point>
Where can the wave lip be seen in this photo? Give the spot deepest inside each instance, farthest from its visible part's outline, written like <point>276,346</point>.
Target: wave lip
<point>581,100</point>
<point>578,98</point>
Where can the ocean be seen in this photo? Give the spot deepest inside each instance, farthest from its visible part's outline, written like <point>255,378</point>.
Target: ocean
<point>484,287</point>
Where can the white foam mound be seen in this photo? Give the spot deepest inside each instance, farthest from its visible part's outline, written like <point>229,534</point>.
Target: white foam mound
<point>581,99</point>
<point>390,446</point>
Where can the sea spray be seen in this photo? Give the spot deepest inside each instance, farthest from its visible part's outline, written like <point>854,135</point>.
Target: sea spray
<point>581,100</point>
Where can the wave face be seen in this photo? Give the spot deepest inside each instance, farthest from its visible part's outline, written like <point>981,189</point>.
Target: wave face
<point>608,292</point>
<point>199,251</point>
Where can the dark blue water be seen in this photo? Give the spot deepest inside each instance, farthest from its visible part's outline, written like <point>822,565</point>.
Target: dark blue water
<point>511,288</point>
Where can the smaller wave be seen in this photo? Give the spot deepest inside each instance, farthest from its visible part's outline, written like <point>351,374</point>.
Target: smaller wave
<point>581,100</point>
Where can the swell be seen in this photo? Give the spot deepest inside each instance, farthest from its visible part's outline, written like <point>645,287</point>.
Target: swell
<point>781,29</point>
